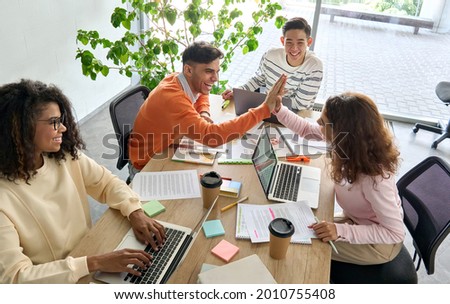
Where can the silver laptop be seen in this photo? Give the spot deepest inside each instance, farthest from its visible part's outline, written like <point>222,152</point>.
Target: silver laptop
<point>245,100</point>
<point>179,240</point>
<point>282,181</point>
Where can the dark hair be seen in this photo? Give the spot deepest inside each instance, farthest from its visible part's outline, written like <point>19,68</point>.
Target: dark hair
<point>297,23</point>
<point>20,105</point>
<point>201,52</point>
<point>362,144</point>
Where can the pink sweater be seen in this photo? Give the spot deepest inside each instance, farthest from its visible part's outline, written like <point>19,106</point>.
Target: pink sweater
<point>375,209</point>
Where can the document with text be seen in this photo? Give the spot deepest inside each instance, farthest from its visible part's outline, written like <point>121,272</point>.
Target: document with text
<point>167,185</point>
<point>256,219</point>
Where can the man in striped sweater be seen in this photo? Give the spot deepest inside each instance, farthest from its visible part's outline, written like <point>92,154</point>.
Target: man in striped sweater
<point>303,68</point>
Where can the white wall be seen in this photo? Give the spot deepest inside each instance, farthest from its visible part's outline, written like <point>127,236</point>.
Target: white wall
<point>439,12</point>
<point>38,41</point>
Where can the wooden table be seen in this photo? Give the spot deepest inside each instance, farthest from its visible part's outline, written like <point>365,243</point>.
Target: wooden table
<point>303,263</point>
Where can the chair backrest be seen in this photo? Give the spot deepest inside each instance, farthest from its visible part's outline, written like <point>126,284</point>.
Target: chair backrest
<point>123,109</point>
<point>425,195</point>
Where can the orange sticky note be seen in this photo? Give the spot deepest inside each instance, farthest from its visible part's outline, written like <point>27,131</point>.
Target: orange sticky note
<point>225,250</point>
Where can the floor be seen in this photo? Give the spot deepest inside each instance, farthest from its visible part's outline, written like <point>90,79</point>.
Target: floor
<point>389,69</point>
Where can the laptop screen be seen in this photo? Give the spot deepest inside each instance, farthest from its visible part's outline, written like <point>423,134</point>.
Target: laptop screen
<point>264,160</point>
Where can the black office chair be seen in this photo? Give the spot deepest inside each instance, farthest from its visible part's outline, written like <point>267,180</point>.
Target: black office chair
<point>443,92</point>
<point>424,191</point>
<point>400,270</point>
<point>426,205</point>
<point>123,109</point>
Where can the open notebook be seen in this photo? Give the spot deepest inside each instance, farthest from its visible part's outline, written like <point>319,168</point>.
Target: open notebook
<point>179,240</point>
<point>252,221</point>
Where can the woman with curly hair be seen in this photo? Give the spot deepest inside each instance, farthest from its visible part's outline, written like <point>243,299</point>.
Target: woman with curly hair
<point>363,164</point>
<point>44,183</point>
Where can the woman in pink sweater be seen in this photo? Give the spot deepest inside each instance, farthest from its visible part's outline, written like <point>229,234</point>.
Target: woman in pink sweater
<point>363,163</point>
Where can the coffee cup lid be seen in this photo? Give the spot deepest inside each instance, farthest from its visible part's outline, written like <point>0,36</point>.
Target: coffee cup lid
<point>211,180</point>
<point>281,227</point>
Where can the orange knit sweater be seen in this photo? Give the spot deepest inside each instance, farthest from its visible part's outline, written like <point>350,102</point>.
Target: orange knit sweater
<point>168,114</point>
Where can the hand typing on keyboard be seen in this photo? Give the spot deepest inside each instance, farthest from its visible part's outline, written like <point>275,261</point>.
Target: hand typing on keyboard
<point>118,261</point>
<point>147,229</point>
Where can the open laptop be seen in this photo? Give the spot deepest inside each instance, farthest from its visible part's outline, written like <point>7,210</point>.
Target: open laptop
<point>245,100</point>
<point>179,240</point>
<point>282,181</point>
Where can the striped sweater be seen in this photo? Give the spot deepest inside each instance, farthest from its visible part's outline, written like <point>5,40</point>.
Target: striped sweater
<point>303,82</point>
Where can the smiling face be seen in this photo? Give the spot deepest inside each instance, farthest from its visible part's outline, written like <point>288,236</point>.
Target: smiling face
<point>46,138</point>
<point>295,44</point>
<point>202,76</point>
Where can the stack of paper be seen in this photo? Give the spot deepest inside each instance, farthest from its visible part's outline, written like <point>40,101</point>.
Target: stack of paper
<point>298,145</point>
<point>230,188</point>
<point>248,270</point>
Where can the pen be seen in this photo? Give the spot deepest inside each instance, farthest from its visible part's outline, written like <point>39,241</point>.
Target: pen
<point>233,204</point>
<point>298,158</point>
<point>225,104</point>
<point>330,242</point>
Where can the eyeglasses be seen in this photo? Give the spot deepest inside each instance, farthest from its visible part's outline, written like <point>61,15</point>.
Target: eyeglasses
<point>56,122</point>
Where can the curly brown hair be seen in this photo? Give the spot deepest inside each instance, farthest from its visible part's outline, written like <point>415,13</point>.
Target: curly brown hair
<point>362,145</point>
<point>21,104</point>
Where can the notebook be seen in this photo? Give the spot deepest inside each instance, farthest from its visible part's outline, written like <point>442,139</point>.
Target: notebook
<point>178,242</point>
<point>282,181</point>
<point>248,270</point>
<point>252,221</point>
<point>245,100</point>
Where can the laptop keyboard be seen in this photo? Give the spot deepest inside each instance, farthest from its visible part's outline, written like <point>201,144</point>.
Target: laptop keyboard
<point>160,259</point>
<point>288,182</point>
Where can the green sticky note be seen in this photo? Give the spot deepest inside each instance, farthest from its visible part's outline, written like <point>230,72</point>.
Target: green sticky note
<point>213,228</point>
<point>153,208</point>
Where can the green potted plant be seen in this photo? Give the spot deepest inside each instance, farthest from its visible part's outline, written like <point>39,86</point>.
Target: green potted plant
<point>152,53</point>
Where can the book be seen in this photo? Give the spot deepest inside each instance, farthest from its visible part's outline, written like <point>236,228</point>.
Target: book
<point>230,188</point>
<point>248,270</point>
<point>196,157</point>
<point>213,228</point>
<point>251,218</point>
<point>194,146</point>
<point>225,250</point>
<point>240,152</point>
<point>153,208</point>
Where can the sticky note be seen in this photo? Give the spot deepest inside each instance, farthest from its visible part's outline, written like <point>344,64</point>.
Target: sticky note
<point>153,208</point>
<point>213,228</point>
<point>225,250</point>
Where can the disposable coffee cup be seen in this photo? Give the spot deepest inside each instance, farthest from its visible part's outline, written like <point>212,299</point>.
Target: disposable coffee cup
<point>281,231</point>
<point>211,183</point>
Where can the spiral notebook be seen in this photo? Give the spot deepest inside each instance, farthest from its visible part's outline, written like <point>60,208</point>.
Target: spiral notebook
<point>252,221</point>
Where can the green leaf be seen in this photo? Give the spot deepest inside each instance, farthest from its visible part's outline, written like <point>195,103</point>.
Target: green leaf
<point>126,24</point>
<point>171,15</point>
<point>165,48</point>
<point>245,49</point>
<point>235,13</point>
<point>84,40</point>
<point>195,30</point>
<point>239,26</point>
<point>118,16</point>
<point>252,44</point>
<point>280,21</point>
<point>124,58</point>
<point>86,58</point>
<point>174,48</point>
<point>105,70</point>
<point>218,34</point>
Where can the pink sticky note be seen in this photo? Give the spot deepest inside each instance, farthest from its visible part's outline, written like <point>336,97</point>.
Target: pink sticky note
<point>225,250</point>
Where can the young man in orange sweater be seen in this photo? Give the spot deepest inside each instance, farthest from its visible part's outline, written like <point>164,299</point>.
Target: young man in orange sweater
<point>179,106</point>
